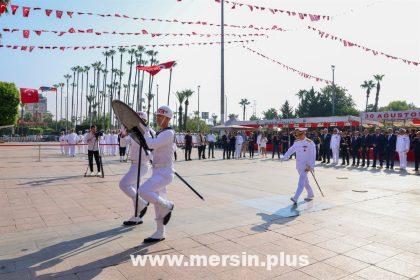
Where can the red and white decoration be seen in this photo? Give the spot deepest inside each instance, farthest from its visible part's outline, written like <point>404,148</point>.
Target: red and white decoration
<point>74,48</point>
<point>347,43</point>
<point>274,11</point>
<point>289,68</point>
<point>29,95</point>
<point>142,32</point>
<point>154,69</point>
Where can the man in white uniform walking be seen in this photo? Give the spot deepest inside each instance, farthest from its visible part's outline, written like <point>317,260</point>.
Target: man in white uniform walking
<point>128,183</point>
<point>238,145</point>
<point>72,140</point>
<point>154,189</point>
<point>305,162</point>
<point>335,145</point>
<point>63,143</point>
<point>114,142</point>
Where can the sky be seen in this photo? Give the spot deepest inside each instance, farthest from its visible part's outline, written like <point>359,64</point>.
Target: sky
<point>389,26</point>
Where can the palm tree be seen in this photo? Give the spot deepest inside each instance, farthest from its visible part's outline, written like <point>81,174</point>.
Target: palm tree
<point>121,50</point>
<point>170,82</point>
<point>89,99</point>
<point>149,104</point>
<point>378,78</point>
<point>131,52</point>
<point>74,69</point>
<point>244,102</point>
<point>187,94</point>
<point>139,54</point>
<point>152,55</point>
<point>87,68</point>
<point>368,85</point>
<point>107,54</point>
<point>142,62</point>
<point>77,93</point>
<point>61,100</point>
<point>67,77</point>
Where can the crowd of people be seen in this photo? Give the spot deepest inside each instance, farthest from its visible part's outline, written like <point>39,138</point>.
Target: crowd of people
<point>378,148</point>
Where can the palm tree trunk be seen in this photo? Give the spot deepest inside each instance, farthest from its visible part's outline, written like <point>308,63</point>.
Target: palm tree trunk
<point>378,88</point>
<point>81,99</point>
<point>129,78</point>
<point>56,110</point>
<point>119,87</point>
<point>67,105</point>
<point>77,97</point>
<point>367,101</point>
<point>87,90</point>
<point>72,97</point>
<point>186,112</point>
<point>169,90</point>
<point>61,102</point>
<point>141,92</point>
<point>244,108</point>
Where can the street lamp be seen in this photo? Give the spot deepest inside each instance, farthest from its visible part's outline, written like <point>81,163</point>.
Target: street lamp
<point>333,89</point>
<point>222,64</point>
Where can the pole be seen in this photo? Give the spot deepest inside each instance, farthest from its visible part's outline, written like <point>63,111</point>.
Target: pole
<point>56,109</point>
<point>198,117</point>
<point>39,152</point>
<point>333,95</point>
<point>157,96</point>
<point>138,182</point>
<point>170,81</point>
<point>222,64</point>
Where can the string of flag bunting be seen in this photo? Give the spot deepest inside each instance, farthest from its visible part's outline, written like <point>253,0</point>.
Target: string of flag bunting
<point>26,33</point>
<point>26,12</point>
<point>75,48</point>
<point>274,11</point>
<point>289,68</point>
<point>347,43</point>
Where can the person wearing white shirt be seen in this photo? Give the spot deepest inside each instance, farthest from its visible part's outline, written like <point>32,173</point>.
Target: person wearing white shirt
<point>403,146</point>
<point>259,143</point>
<point>102,145</point>
<point>108,142</point>
<point>153,190</point>
<point>72,140</point>
<point>62,140</point>
<point>335,145</point>
<point>211,139</point>
<point>238,145</point>
<point>114,142</point>
<point>305,162</point>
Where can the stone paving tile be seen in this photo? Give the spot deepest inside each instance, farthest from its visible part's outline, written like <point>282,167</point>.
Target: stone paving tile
<point>324,271</point>
<point>376,273</point>
<point>400,267</point>
<point>365,256</point>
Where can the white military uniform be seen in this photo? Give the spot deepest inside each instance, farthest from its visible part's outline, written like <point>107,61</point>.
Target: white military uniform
<point>114,141</point>
<point>102,146</point>
<point>335,147</point>
<point>238,145</point>
<point>80,143</point>
<point>63,143</point>
<point>66,147</point>
<point>108,142</point>
<point>403,146</point>
<point>305,158</point>
<point>128,183</point>
<point>153,189</point>
<point>72,140</point>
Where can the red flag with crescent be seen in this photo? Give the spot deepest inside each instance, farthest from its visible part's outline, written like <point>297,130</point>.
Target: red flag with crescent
<point>28,95</point>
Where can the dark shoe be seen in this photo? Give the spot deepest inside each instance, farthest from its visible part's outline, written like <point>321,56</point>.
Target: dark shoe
<point>168,216</point>
<point>152,240</point>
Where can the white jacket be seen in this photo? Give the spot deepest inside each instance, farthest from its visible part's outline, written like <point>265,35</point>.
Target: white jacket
<point>239,140</point>
<point>403,143</point>
<point>335,141</point>
<point>305,153</point>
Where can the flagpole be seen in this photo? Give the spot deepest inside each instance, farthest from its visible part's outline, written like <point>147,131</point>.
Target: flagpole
<point>222,70</point>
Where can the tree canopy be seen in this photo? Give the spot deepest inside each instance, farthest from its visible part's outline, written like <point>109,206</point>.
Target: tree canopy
<point>398,105</point>
<point>271,114</point>
<point>9,102</point>
<point>286,111</point>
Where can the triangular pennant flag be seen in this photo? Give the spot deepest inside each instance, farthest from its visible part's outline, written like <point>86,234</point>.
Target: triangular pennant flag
<point>48,12</point>
<point>25,11</point>
<point>59,14</point>
<point>14,9</point>
<point>69,13</point>
<point>26,33</point>
<point>3,7</point>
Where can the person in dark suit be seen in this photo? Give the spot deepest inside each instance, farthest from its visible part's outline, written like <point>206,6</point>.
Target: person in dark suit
<point>345,142</point>
<point>276,145</point>
<point>232,145</point>
<point>378,144</point>
<point>390,147</point>
<point>225,146</point>
<point>416,150</point>
<point>188,145</point>
<point>251,143</point>
<point>325,146</point>
<point>284,142</point>
<point>355,148</point>
<point>292,141</point>
<point>365,144</point>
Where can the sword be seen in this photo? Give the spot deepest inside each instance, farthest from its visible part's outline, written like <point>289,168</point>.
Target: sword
<point>313,175</point>
<point>188,185</point>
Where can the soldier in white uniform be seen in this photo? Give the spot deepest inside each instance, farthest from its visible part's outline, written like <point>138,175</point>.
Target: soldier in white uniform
<point>72,140</point>
<point>63,143</point>
<point>305,162</point>
<point>79,142</point>
<point>102,145</point>
<point>403,146</point>
<point>129,181</point>
<point>108,142</point>
<point>335,145</point>
<point>238,145</point>
<point>115,143</point>
<point>154,189</point>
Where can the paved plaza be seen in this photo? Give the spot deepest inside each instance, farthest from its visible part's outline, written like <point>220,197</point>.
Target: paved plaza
<point>56,224</point>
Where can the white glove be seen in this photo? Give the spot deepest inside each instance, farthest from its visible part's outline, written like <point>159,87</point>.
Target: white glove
<point>282,158</point>
<point>144,128</point>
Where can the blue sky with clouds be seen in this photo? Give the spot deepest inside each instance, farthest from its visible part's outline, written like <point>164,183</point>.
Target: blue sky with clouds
<point>390,26</point>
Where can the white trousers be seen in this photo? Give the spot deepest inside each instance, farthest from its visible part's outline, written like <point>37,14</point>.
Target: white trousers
<point>62,147</point>
<point>72,150</point>
<point>403,160</point>
<point>154,188</point>
<point>114,149</point>
<point>108,149</point>
<point>128,183</point>
<point>335,154</point>
<point>303,183</point>
<point>238,150</point>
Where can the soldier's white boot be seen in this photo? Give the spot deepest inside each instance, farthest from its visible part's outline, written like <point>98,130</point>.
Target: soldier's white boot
<point>159,234</point>
<point>141,209</point>
<point>165,207</point>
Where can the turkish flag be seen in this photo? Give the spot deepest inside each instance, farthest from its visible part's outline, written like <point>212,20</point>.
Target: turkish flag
<point>58,14</point>
<point>26,33</point>
<point>167,65</point>
<point>48,12</point>
<point>14,9</point>
<point>3,7</point>
<point>28,95</point>
<point>69,13</point>
<point>25,11</point>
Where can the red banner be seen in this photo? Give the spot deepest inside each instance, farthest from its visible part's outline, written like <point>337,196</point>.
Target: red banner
<point>154,69</point>
<point>289,68</point>
<point>3,7</point>
<point>28,95</point>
